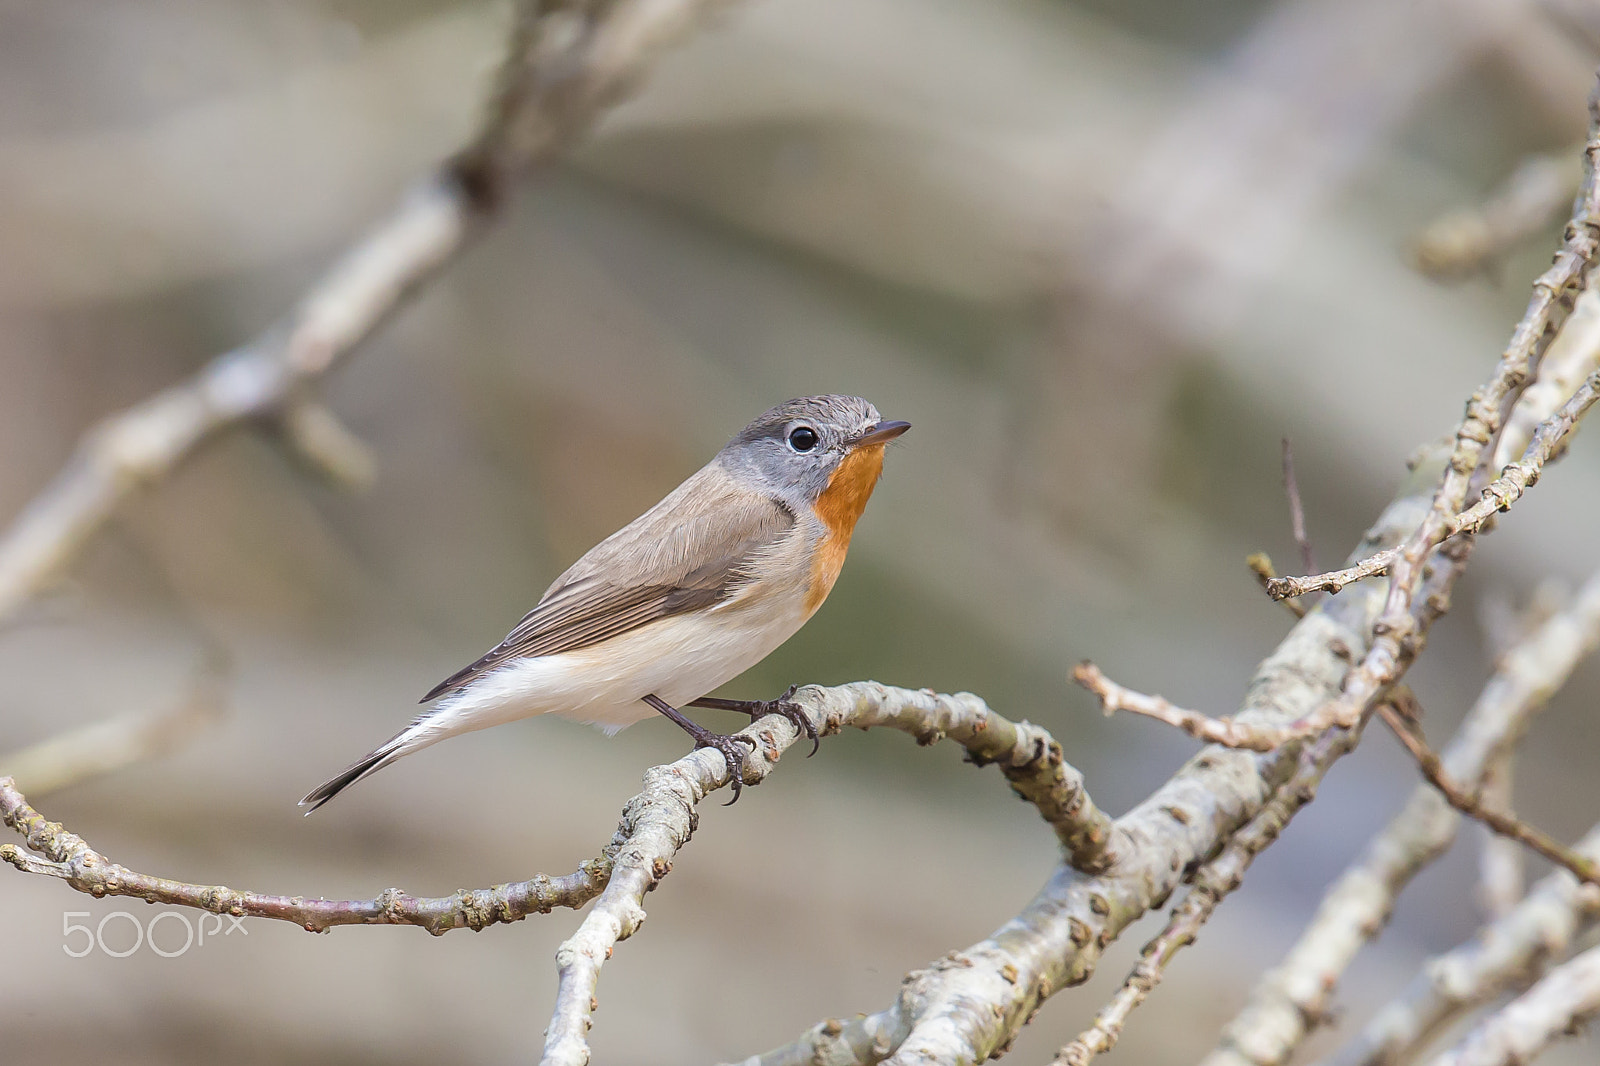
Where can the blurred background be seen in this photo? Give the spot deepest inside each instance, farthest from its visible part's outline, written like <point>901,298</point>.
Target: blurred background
<point>1103,255</point>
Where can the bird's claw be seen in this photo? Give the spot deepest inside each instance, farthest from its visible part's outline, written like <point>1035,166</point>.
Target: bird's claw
<point>728,745</point>
<point>785,707</point>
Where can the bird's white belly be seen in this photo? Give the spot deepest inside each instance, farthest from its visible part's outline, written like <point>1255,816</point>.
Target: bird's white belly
<point>678,659</point>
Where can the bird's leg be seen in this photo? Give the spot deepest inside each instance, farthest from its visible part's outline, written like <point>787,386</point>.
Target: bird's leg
<point>784,705</point>
<point>727,744</point>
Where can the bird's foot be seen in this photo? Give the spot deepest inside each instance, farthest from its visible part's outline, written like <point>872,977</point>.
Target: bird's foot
<point>784,706</point>
<point>726,743</point>
<point>732,754</point>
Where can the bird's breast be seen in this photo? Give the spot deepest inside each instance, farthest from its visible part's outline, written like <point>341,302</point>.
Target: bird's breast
<point>839,507</point>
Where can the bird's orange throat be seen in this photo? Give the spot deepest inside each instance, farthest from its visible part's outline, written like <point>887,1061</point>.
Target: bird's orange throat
<point>840,507</point>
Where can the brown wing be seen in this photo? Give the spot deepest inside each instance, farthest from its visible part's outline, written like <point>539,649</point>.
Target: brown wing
<point>690,551</point>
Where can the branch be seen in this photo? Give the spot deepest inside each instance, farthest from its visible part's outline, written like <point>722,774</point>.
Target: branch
<point>1506,953</point>
<point>969,1005</point>
<point>1558,1005</point>
<point>655,824</point>
<point>1287,1002</point>
<point>569,59</point>
<point>1212,883</point>
<point>1468,242</point>
<point>1029,758</point>
<point>102,747</point>
<point>69,857</point>
<point>1472,805</point>
<point>664,816</point>
<point>1548,438</point>
<point>1228,732</point>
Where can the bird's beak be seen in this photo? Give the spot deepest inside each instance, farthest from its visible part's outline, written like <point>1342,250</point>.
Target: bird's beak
<point>880,433</point>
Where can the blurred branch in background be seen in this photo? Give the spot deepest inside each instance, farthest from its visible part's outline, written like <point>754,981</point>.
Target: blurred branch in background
<point>1475,240</point>
<point>1563,1000</point>
<point>1505,955</point>
<point>109,745</point>
<point>567,62</point>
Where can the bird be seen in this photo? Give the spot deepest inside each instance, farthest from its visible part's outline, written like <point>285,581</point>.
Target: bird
<point>684,598</point>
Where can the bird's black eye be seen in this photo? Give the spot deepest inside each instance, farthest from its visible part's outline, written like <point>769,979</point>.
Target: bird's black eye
<point>802,438</point>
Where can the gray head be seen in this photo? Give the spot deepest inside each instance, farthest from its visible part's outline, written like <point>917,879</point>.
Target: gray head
<point>795,448</point>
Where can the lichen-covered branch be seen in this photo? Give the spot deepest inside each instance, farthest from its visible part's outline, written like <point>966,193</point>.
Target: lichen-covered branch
<point>1558,1005</point>
<point>1211,884</point>
<point>1506,954</point>
<point>70,858</point>
<point>569,59</point>
<point>663,816</point>
<point>1028,756</point>
<point>1286,1003</point>
<point>971,1004</point>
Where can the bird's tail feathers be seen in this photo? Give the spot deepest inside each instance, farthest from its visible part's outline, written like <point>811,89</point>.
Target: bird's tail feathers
<point>403,743</point>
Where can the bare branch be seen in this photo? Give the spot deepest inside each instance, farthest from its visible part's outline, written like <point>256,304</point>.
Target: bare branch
<point>1226,731</point>
<point>1507,953</point>
<point>969,1005</point>
<point>109,745</point>
<point>1028,756</point>
<point>69,857</point>
<point>1498,496</point>
<point>1212,883</point>
<point>1297,513</point>
<point>1470,241</point>
<point>1472,805</point>
<point>663,816</point>
<point>1556,1006</point>
<point>569,59</point>
<point>1287,1002</point>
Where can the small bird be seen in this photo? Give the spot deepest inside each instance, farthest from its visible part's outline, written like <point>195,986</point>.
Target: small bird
<point>687,596</point>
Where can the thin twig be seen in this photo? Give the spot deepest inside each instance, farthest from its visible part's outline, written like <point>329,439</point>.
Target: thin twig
<point>1470,803</point>
<point>1226,731</point>
<point>1288,1002</point>
<point>1297,513</point>
<point>1497,497</point>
